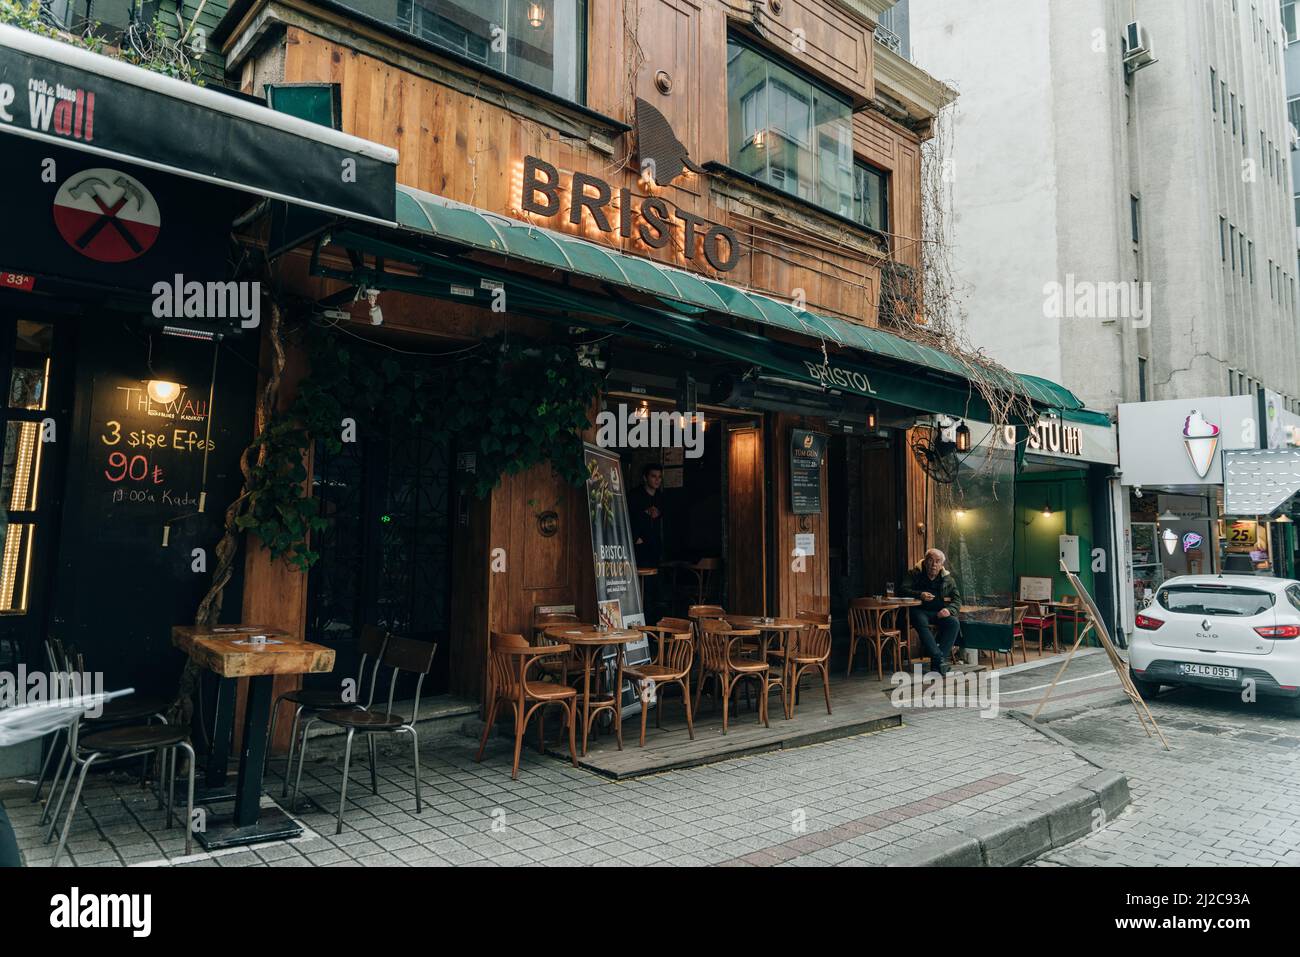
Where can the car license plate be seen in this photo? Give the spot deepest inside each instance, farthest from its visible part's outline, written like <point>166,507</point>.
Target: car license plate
<point>1208,671</point>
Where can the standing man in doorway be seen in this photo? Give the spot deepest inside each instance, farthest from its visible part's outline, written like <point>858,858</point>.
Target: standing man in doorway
<point>645,505</point>
<point>935,619</point>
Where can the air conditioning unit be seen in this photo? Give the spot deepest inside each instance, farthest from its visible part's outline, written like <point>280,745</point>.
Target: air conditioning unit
<point>1137,47</point>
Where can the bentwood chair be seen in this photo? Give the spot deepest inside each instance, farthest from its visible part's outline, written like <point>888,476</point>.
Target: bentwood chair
<point>720,659</point>
<point>705,569</point>
<point>122,744</point>
<point>315,700</point>
<point>810,650</point>
<point>132,709</point>
<point>1040,617</point>
<point>558,667</point>
<point>874,622</point>
<point>510,658</point>
<point>400,654</point>
<point>672,666</point>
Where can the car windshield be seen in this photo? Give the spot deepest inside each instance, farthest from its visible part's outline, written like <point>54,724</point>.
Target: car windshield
<point>1215,600</point>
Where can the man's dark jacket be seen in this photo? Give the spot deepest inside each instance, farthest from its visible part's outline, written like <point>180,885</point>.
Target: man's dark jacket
<point>944,589</point>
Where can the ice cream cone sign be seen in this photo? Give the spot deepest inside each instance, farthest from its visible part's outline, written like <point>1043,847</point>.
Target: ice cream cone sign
<point>1201,438</point>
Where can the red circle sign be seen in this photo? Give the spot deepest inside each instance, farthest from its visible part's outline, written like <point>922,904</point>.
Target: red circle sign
<point>106,215</point>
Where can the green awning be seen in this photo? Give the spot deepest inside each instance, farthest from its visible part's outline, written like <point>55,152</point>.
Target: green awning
<point>682,300</point>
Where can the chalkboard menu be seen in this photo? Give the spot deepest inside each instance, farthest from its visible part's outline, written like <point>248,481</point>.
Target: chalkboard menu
<point>145,454</point>
<point>807,453</point>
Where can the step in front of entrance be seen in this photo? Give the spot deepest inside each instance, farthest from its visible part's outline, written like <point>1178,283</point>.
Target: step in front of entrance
<point>858,707</point>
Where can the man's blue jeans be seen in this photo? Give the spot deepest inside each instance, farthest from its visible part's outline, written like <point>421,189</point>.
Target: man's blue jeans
<point>938,635</point>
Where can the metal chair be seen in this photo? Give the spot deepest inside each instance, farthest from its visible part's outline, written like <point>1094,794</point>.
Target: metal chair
<point>400,654</point>
<point>672,666</point>
<point>876,623</point>
<point>122,744</point>
<point>509,660</point>
<point>128,710</point>
<point>720,660</point>
<point>811,649</point>
<point>372,643</point>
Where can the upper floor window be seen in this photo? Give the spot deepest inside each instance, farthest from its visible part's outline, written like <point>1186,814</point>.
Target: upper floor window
<point>1288,21</point>
<point>871,196</point>
<point>543,44</point>
<point>789,132</point>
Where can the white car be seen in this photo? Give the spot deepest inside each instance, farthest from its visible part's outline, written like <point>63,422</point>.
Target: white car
<point>1227,632</point>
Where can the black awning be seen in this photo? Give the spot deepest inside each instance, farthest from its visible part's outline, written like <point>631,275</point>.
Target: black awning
<point>59,94</point>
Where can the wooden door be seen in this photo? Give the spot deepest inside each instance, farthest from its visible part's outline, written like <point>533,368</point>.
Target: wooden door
<point>746,522</point>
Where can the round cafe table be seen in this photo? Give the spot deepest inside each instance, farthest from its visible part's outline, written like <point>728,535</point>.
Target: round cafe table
<point>778,628</point>
<point>588,643</point>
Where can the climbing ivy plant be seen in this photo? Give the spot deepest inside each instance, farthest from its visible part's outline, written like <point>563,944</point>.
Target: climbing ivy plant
<point>513,403</point>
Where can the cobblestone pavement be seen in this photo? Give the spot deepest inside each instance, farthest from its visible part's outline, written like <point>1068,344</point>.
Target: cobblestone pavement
<point>1225,794</point>
<point>859,800</point>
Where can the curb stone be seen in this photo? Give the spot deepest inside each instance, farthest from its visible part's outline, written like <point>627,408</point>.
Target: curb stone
<point>1014,839</point>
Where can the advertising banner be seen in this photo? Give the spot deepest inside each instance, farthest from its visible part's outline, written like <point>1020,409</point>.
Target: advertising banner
<point>618,592</point>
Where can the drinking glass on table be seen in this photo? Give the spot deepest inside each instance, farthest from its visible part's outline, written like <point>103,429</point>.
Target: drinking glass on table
<point>889,589</point>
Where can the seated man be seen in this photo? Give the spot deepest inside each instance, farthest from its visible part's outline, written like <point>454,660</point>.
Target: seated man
<point>936,617</point>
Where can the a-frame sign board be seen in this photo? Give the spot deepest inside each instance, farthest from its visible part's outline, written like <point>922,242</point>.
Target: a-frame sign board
<point>1121,667</point>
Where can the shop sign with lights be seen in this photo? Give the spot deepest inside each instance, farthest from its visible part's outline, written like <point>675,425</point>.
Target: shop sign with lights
<point>1050,435</point>
<point>651,219</point>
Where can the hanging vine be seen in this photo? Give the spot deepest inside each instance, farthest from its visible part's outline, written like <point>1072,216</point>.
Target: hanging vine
<point>513,403</point>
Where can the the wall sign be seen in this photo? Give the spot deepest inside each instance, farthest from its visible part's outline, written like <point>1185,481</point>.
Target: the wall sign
<point>807,453</point>
<point>651,219</point>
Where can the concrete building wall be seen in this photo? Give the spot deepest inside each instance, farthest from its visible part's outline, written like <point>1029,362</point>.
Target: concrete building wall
<point>1044,83</point>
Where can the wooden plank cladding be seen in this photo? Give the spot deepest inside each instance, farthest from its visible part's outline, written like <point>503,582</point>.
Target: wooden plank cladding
<point>671,54</point>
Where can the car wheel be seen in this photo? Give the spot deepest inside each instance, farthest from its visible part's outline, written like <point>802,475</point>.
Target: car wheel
<point>1149,689</point>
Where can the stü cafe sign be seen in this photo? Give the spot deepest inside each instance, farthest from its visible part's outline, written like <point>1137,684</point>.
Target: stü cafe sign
<point>651,219</point>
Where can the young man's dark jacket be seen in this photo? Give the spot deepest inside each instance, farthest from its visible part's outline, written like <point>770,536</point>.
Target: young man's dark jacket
<point>945,589</point>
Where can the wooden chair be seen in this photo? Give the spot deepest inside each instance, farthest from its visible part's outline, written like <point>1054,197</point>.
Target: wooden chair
<point>1074,615</point>
<point>704,570</point>
<point>874,622</point>
<point>315,700</point>
<point>672,666</point>
<point>509,660</point>
<point>811,649</point>
<point>1040,617</point>
<point>720,660</point>
<point>400,654</point>
<point>562,668</point>
<point>1017,633</point>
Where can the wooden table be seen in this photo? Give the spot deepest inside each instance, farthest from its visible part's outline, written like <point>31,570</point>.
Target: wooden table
<point>231,653</point>
<point>588,643</point>
<point>780,627</point>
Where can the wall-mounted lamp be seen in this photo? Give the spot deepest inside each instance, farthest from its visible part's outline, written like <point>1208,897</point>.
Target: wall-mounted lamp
<point>871,417</point>
<point>643,410</point>
<point>963,437</point>
<point>536,15</point>
<point>162,391</point>
<point>959,512</point>
<point>1283,519</point>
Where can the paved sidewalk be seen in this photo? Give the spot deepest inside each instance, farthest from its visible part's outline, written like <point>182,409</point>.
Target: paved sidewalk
<point>1225,794</point>
<point>858,800</point>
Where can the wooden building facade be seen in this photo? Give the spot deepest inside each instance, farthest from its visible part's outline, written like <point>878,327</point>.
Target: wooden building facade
<point>798,141</point>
